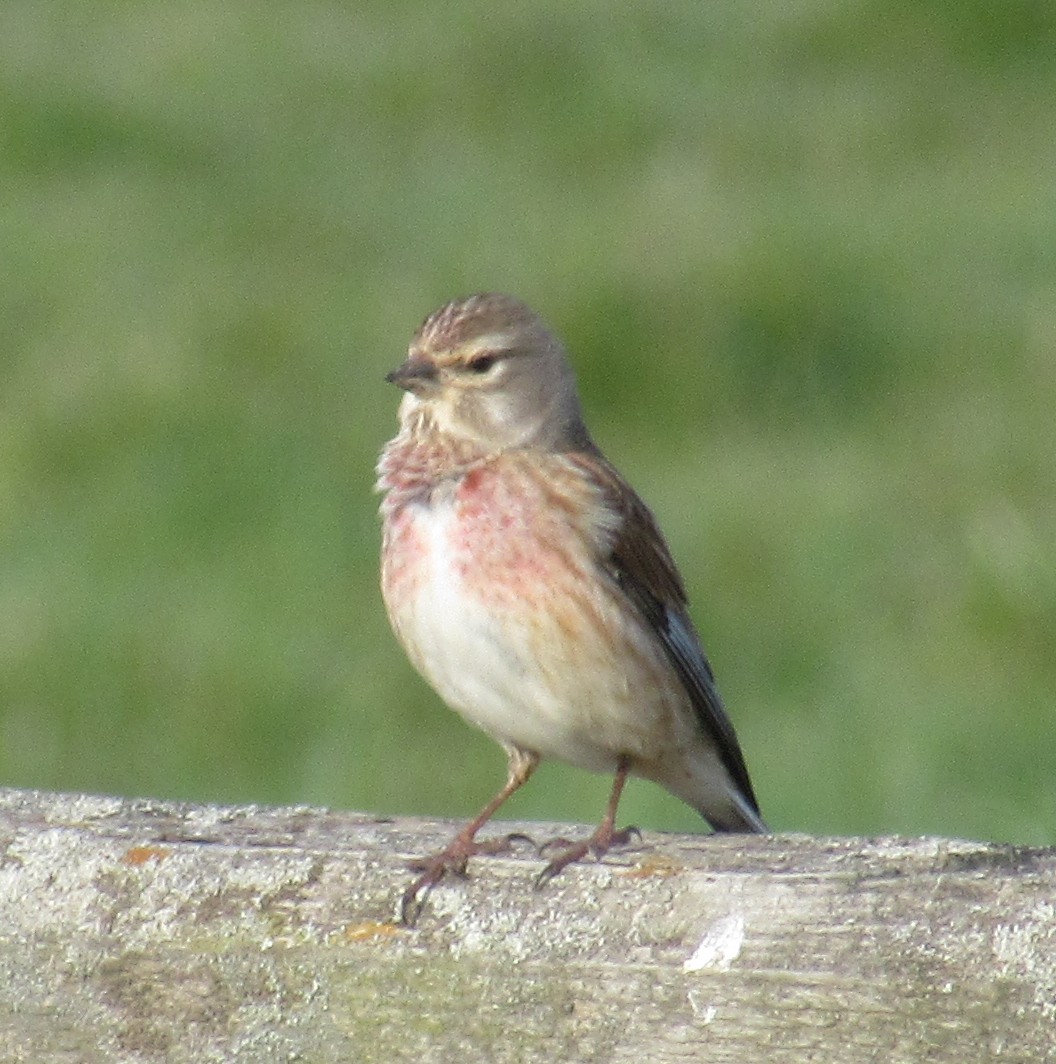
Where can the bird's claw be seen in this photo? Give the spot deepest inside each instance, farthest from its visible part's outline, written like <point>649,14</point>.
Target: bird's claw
<point>450,861</point>
<point>597,844</point>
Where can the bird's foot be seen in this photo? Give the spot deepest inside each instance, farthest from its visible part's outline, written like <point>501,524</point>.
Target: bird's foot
<point>451,860</point>
<point>598,844</point>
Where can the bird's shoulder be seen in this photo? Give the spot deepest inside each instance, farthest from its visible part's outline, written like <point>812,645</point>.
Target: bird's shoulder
<point>638,553</point>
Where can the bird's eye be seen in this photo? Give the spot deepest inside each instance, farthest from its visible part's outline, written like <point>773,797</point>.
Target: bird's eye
<point>482,363</point>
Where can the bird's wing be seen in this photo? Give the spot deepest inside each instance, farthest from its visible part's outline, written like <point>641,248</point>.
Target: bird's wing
<point>641,564</point>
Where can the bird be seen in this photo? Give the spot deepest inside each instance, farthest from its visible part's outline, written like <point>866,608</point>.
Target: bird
<point>532,588</point>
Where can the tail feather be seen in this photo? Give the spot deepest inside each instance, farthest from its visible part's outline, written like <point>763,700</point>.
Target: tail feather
<point>738,817</point>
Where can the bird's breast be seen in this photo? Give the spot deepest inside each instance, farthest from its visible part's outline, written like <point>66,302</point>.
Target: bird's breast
<point>502,539</point>
<point>493,586</point>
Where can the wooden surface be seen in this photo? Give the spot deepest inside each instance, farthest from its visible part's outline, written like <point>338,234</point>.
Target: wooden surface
<point>152,931</point>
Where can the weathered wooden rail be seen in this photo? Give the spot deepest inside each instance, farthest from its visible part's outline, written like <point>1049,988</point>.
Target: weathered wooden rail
<point>154,931</point>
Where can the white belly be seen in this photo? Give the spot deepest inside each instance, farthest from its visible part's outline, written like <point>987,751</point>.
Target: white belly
<point>515,673</point>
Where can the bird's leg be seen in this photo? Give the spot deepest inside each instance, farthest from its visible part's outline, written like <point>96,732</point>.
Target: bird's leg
<point>454,857</point>
<point>605,835</point>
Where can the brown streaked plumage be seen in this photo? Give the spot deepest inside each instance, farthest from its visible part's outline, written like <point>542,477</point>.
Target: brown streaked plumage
<point>531,586</point>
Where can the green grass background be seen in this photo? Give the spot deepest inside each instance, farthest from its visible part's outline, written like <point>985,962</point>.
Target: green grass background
<point>804,254</point>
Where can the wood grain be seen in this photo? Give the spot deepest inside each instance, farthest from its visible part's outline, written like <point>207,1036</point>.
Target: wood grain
<point>137,930</point>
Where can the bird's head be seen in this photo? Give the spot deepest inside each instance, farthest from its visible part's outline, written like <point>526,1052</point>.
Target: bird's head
<point>486,369</point>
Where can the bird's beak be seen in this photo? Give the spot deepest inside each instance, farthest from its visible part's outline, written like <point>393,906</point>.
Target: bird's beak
<point>415,375</point>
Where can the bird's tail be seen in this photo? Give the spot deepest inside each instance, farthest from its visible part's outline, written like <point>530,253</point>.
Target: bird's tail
<point>739,816</point>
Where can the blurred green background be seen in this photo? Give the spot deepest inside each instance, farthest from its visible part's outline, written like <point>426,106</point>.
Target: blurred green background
<point>804,254</point>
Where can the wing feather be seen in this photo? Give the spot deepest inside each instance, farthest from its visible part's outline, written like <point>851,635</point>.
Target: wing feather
<point>642,566</point>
